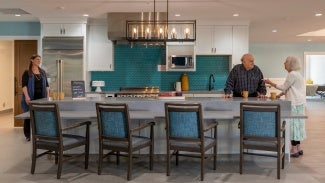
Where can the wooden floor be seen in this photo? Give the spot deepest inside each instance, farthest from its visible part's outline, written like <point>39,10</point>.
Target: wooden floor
<point>313,160</point>
<point>308,168</point>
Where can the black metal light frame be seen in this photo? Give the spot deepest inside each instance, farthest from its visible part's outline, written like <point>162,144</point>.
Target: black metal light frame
<point>161,31</point>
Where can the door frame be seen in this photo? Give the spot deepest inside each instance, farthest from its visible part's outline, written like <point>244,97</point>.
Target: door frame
<point>13,38</point>
<point>305,60</point>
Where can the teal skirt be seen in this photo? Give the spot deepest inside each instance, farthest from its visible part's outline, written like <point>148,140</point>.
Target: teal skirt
<point>297,126</point>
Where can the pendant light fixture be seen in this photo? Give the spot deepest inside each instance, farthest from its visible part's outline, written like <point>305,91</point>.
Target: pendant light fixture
<point>161,29</point>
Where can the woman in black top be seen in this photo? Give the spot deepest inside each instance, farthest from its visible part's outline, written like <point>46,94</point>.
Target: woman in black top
<point>35,86</point>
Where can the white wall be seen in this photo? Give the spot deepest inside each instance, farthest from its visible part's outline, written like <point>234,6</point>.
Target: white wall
<point>270,57</point>
<point>7,75</point>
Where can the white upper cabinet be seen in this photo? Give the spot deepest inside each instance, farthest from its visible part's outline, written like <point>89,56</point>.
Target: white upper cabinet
<point>214,40</point>
<point>204,39</point>
<point>100,49</point>
<point>240,43</point>
<point>59,30</point>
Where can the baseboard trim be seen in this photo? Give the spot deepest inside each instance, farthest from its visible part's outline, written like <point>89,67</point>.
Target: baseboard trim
<point>6,111</point>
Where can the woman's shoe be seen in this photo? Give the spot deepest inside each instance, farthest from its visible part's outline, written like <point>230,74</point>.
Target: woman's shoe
<point>295,155</point>
<point>299,149</point>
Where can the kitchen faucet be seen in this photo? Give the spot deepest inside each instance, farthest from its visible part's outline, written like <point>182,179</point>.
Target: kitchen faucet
<point>211,82</point>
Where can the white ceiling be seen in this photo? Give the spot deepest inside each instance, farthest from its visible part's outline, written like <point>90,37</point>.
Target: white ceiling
<point>288,17</point>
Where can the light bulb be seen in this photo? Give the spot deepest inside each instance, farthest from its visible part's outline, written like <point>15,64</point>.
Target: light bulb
<point>147,33</point>
<point>187,32</point>
<point>173,33</point>
<point>134,35</point>
<point>161,33</point>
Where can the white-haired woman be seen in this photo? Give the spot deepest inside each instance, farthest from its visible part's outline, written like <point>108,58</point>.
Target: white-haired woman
<point>294,90</point>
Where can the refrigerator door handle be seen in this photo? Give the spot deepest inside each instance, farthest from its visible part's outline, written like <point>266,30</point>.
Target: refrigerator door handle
<point>58,75</point>
<point>61,76</point>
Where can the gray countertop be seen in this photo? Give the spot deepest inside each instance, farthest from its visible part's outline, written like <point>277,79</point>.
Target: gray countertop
<point>189,92</point>
<point>205,92</point>
<point>154,104</point>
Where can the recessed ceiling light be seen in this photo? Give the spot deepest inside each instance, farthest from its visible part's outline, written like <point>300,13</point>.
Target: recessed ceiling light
<point>85,15</point>
<point>318,14</point>
<point>61,7</point>
<point>274,30</point>
<point>235,14</point>
<point>309,40</point>
<point>177,15</point>
<point>17,15</point>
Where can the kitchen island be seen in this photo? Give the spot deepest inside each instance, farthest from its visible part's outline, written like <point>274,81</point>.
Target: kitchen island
<point>225,111</point>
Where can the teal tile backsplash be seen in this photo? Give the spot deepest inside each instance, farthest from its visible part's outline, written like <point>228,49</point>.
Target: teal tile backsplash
<point>137,66</point>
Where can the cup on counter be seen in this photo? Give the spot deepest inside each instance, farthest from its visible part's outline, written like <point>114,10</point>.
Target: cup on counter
<point>178,86</point>
<point>244,94</point>
<point>61,96</point>
<point>273,95</point>
<point>55,95</point>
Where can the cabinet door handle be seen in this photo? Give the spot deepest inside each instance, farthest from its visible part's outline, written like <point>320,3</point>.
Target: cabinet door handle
<point>215,50</point>
<point>211,50</point>
<point>63,30</point>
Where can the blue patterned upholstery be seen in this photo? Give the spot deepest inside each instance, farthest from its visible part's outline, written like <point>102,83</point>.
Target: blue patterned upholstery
<point>45,122</point>
<point>184,124</point>
<point>261,132</point>
<point>114,124</point>
<point>116,135</point>
<point>258,123</point>
<point>185,134</point>
<point>48,137</point>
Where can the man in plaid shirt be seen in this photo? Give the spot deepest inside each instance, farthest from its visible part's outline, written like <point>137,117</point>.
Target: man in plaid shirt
<point>245,77</point>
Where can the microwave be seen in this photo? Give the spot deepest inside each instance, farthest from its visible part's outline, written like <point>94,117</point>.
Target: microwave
<point>181,62</point>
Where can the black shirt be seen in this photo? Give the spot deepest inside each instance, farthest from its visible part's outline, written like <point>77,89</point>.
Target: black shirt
<point>38,84</point>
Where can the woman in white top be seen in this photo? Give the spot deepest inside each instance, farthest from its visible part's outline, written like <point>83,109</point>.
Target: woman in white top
<point>294,90</point>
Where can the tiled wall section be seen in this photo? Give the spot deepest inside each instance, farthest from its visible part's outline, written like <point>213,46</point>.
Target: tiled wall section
<point>137,66</point>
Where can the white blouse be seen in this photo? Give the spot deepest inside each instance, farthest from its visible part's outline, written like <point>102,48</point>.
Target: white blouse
<point>294,88</point>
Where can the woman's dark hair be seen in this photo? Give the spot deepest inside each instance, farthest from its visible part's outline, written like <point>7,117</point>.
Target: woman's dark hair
<point>34,56</point>
<point>30,71</point>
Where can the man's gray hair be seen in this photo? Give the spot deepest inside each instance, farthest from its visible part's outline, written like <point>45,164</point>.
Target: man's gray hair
<point>294,63</point>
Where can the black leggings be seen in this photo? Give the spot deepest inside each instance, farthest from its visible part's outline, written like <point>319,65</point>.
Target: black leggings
<point>294,143</point>
<point>27,128</point>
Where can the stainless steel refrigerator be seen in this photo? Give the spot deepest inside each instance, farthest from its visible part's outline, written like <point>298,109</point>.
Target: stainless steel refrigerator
<point>63,62</point>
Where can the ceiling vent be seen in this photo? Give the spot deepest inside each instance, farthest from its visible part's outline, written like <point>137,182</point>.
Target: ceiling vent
<point>13,11</point>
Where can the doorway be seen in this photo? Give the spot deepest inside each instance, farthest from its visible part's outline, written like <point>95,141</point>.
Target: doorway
<point>314,64</point>
<point>23,49</point>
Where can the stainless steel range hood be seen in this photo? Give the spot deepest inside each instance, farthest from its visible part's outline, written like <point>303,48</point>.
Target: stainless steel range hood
<point>117,23</point>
